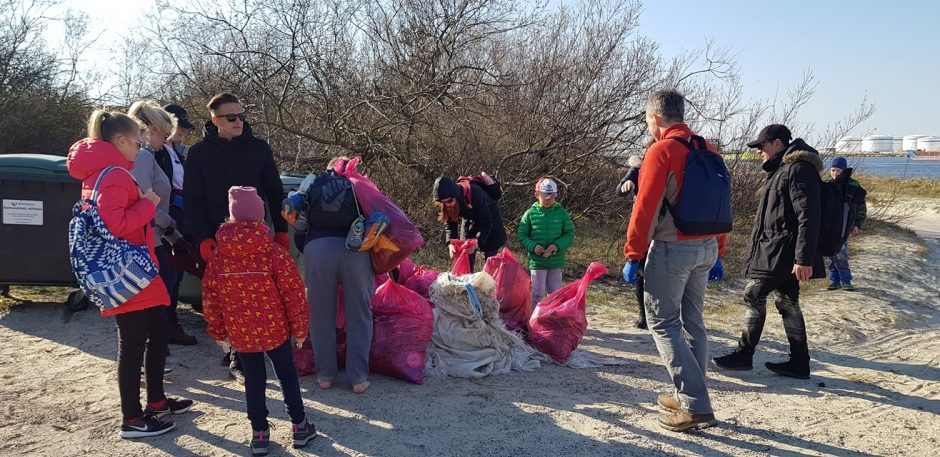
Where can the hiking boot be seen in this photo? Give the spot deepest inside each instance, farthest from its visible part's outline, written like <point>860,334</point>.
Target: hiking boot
<point>178,336</point>
<point>791,368</point>
<point>303,433</point>
<point>669,402</point>
<point>683,420</point>
<point>739,360</point>
<point>834,285</point>
<point>169,406</point>
<point>235,371</point>
<point>145,426</point>
<point>260,440</point>
<point>640,323</point>
<point>848,286</point>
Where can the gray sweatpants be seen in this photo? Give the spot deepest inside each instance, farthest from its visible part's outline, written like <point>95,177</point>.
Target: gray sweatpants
<point>329,264</point>
<point>674,281</point>
<point>544,282</point>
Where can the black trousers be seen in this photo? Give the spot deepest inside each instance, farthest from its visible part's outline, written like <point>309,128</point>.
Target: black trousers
<point>142,339</point>
<point>787,300</point>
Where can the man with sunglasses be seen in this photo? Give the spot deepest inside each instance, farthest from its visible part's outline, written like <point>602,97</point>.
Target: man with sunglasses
<point>229,155</point>
<point>783,248</point>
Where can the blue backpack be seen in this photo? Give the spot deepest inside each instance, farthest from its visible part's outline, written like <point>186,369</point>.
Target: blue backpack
<point>704,203</point>
<point>110,270</point>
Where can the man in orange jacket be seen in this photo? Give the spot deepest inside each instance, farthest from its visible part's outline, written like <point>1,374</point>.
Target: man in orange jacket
<point>677,265</point>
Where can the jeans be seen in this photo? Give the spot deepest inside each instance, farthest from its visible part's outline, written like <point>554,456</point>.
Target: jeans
<point>839,271</point>
<point>788,304</point>
<point>486,255</point>
<point>675,276</point>
<point>328,265</point>
<point>142,339</point>
<point>256,381</point>
<point>172,279</point>
<point>544,282</point>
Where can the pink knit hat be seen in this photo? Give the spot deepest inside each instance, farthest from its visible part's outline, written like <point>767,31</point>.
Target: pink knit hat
<point>244,204</point>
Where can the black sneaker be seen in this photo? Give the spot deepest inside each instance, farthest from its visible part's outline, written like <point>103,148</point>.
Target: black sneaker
<point>791,368</point>
<point>260,440</point>
<point>303,433</point>
<point>170,406</point>
<point>739,360</point>
<point>178,336</point>
<point>226,360</point>
<point>235,371</point>
<point>145,426</point>
<point>640,323</point>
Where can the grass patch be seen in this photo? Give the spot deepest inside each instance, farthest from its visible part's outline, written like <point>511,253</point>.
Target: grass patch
<point>909,187</point>
<point>33,294</point>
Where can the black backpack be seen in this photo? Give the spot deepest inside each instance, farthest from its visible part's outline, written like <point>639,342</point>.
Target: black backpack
<point>332,204</point>
<point>838,207</point>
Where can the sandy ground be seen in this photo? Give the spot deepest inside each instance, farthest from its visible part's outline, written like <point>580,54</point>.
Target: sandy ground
<point>874,390</point>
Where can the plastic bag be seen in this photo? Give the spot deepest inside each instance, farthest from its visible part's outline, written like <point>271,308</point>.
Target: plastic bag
<point>402,327</point>
<point>462,250</point>
<point>420,281</point>
<point>405,270</point>
<point>560,320</point>
<point>512,289</point>
<point>303,359</point>
<point>400,232</point>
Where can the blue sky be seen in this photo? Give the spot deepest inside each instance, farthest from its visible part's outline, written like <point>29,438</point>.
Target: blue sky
<point>889,50</point>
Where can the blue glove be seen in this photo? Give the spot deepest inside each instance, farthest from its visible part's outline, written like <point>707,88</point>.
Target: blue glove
<point>717,273</point>
<point>630,270</point>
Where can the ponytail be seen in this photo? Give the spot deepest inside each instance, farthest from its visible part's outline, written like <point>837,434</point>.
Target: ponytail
<point>107,125</point>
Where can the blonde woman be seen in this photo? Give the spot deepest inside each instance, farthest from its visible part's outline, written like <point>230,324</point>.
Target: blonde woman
<point>153,169</point>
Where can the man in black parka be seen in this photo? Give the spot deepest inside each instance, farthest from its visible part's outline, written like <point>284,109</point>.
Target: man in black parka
<point>783,248</point>
<point>229,155</point>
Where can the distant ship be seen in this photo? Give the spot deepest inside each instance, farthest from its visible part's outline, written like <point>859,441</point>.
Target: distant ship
<point>922,155</point>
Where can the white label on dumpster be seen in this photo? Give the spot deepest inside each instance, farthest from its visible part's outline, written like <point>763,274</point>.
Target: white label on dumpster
<point>22,212</point>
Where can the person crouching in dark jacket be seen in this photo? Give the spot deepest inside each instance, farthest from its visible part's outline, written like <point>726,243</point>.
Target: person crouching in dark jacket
<point>478,218</point>
<point>783,248</point>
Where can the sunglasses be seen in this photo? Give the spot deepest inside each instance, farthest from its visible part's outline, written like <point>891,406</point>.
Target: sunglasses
<point>231,117</point>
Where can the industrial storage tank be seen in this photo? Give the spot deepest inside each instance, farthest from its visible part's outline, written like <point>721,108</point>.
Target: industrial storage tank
<point>909,143</point>
<point>928,143</point>
<point>876,143</point>
<point>897,143</point>
<point>849,144</point>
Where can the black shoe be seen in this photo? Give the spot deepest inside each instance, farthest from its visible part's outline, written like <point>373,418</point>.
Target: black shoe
<point>303,433</point>
<point>145,426</point>
<point>260,440</point>
<point>791,368</point>
<point>739,360</point>
<point>170,406</point>
<point>235,371</point>
<point>640,323</point>
<point>226,360</point>
<point>178,336</point>
<point>166,370</point>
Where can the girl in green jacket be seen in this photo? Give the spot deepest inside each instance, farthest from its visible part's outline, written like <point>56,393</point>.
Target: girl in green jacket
<point>546,232</point>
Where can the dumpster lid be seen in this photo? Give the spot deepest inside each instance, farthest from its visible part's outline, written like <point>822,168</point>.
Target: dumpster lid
<point>291,181</point>
<point>33,164</point>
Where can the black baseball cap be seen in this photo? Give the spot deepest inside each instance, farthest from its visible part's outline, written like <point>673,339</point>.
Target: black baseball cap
<point>770,133</point>
<point>181,116</point>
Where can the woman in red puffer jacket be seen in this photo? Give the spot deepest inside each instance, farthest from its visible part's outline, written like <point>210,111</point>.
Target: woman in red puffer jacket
<point>114,140</point>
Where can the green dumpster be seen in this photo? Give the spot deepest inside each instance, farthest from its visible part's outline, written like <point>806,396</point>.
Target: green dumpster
<point>190,289</point>
<point>37,196</point>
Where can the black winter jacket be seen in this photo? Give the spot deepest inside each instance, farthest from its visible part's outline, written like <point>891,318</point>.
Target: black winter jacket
<point>483,222</point>
<point>786,226</point>
<point>214,165</point>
